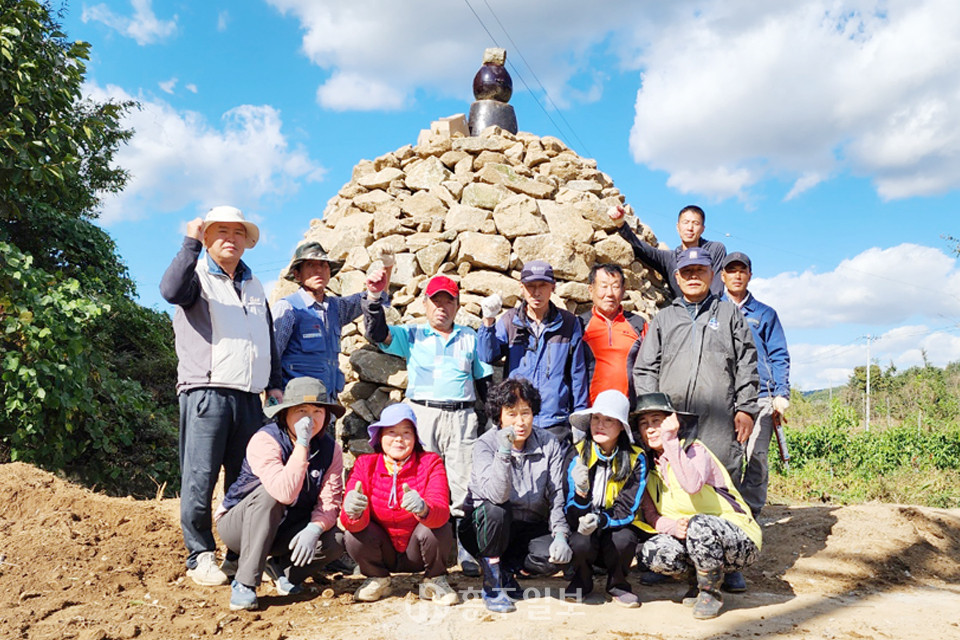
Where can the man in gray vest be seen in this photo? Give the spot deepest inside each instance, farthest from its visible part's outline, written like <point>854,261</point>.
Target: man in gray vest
<point>227,358</point>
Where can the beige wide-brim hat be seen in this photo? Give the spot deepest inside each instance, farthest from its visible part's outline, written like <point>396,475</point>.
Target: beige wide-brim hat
<point>232,214</point>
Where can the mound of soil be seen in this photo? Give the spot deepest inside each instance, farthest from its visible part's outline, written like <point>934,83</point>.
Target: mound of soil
<point>76,564</point>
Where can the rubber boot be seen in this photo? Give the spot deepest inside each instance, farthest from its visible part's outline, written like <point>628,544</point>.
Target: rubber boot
<point>494,597</point>
<point>710,599</point>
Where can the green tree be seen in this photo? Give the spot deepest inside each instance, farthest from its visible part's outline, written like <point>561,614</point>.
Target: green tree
<point>87,374</point>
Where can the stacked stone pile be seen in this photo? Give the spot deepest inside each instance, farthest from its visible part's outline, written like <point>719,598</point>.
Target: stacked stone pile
<point>475,209</point>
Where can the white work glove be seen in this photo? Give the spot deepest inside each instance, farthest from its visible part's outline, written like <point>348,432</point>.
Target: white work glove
<point>355,503</point>
<point>412,502</point>
<point>780,405</point>
<point>304,545</point>
<point>588,524</point>
<point>560,551</point>
<point>505,438</point>
<point>387,258</point>
<point>491,305</point>
<point>304,430</point>
<point>581,477</point>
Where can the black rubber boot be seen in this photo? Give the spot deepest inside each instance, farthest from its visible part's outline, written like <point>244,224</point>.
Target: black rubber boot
<point>494,597</point>
<point>710,599</point>
<point>690,597</point>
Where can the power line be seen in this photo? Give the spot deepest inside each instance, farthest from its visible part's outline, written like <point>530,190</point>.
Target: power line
<point>522,80</point>
<point>534,74</point>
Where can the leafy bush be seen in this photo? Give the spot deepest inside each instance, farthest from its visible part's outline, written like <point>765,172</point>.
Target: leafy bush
<point>64,407</point>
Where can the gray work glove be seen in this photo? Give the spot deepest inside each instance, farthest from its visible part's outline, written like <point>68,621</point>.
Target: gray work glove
<point>580,476</point>
<point>304,430</point>
<point>505,438</point>
<point>412,501</point>
<point>560,551</point>
<point>303,547</point>
<point>491,305</point>
<point>355,503</point>
<point>588,524</point>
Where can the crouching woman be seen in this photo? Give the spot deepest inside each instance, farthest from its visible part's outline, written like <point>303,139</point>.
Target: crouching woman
<point>704,527</point>
<point>514,516</point>
<point>397,511</point>
<point>605,478</point>
<point>285,502</point>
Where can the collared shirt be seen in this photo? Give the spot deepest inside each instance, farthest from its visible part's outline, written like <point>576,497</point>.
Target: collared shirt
<point>442,369</point>
<point>610,341</point>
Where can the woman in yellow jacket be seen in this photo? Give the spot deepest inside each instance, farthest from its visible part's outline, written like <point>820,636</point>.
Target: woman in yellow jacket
<point>702,522</point>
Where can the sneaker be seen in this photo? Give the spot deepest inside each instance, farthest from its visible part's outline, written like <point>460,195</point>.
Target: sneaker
<point>438,590</point>
<point>229,567</point>
<point>577,595</point>
<point>344,564</point>
<point>624,598</point>
<point>280,581</point>
<point>242,597</point>
<point>207,573</point>
<point>468,565</point>
<point>373,589</point>
<point>733,582</point>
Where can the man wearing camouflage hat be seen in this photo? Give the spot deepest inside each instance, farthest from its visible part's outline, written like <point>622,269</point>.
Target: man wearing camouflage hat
<point>307,324</point>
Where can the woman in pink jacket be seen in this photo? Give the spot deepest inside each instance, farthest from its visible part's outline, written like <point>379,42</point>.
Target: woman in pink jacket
<point>397,511</point>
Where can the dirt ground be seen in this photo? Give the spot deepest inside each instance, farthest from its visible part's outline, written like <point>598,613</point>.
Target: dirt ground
<point>76,564</point>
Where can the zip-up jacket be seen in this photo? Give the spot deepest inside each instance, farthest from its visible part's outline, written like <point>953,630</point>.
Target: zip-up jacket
<point>703,357</point>
<point>553,362</point>
<point>664,261</point>
<point>617,342</point>
<point>315,488</point>
<point>425,474</point>
<point>621,500</point>
<point>224,333</point>
<point>773,359</point>
<point>530,482</point>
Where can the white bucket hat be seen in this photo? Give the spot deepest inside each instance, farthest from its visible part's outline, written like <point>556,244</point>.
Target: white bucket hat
<point>232,214</point>
<point>610,403</point>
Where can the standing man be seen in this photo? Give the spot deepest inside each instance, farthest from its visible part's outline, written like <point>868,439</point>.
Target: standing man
<point>700,353</point>
<point>690,227</point>
<point>611,336</point>
<point>227,357</point>
<point>443,367</point>
<point>773,361</point>
<point>307,324</point>
<point>541,343</point>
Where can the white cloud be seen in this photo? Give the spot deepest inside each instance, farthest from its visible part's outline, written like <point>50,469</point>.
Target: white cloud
<point>879,287</point>
<point>192,88</point>
<point>143,26</point>
<point>177,159</point>
<point>736,92</point>
<point>395,48</point>
<point>168,86</point>
<point>820,366</point>
<point>223,19</point>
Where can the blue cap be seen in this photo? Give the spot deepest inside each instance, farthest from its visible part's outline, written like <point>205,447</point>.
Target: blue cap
<point>389,417</point>
<point>537,271</point>
<point>694,256</point>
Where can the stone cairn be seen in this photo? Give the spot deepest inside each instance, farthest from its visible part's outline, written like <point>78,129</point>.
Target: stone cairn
<point>474,208</point>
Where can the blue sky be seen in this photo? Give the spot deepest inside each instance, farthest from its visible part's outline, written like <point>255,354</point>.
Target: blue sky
<point>822,138</point>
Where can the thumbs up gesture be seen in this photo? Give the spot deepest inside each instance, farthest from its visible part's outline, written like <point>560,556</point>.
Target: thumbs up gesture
<point>355,503</point>
<point>580,476</point>
<point>412,501</point>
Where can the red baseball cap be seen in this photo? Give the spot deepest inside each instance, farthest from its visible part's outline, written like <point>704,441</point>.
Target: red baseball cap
<point>442,283</point>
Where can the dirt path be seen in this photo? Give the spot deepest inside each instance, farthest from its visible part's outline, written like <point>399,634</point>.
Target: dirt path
<point>75,564</point>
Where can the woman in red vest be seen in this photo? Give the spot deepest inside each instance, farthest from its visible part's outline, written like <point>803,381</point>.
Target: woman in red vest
<point>397,511</point>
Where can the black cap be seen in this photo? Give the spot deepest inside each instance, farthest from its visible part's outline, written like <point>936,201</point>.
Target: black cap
<point>737,256</point>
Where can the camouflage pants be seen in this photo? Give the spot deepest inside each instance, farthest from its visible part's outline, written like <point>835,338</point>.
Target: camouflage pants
<point>711,543</point>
